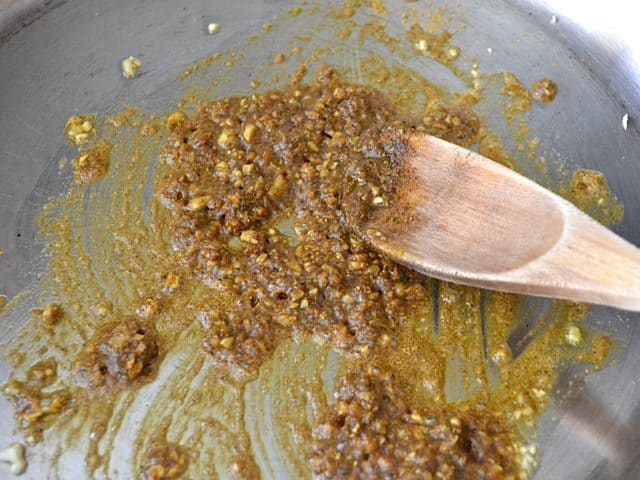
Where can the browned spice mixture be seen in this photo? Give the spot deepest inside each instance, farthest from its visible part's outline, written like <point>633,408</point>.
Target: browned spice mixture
<point>164,461</point>
<point>455,124</point>
<point>120,353</point>
<point>372,433</point>
<point>590,192</point>
<point>51,314</point>
<point>261,189</point>
<point>36,406</point>
<point>258,187</point>
<point>518,95</point>
<point>92,164</point>
<point>544,90</point>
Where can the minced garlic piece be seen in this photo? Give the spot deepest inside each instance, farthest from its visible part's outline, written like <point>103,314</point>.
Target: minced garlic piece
<point>14,456</point>
<point>227,138</point>
<point>51,314</point>
<point>421,45</point>
<point>79,128</point>
<point>213,28</point>
<point>249,132</point>
<point>176,118</point>
<point>249,236</point>
<point>573,335</point>
<point>172,281</point>
<point>198,203</point>
<point>130,66</point>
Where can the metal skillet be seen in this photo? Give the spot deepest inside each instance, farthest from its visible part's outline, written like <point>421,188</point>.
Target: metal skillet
<point>60,56</point>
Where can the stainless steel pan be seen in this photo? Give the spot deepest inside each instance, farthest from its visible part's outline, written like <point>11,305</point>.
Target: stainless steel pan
<point>59,57</point>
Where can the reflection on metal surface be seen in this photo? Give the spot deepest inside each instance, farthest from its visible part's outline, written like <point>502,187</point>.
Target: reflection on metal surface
<point>587,418</point>
<point>605,36</point>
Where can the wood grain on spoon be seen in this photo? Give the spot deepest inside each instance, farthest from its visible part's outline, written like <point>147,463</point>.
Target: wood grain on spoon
<point>458,216</point>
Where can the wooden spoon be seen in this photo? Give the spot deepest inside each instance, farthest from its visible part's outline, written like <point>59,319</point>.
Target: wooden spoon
<point>458,216</point>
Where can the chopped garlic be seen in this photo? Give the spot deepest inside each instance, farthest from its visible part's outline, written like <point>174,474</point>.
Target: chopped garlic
<point>172,281</point>
<point>51,314</point>
<point>249,132</point>
<point>538,393</point>
<point>573,336</point>
<point>176,118</point>
<point>554,20</point>
<point>421,45</point>
<point>130,66</point>
<point>198,203</point>
<point>79,129</point>
<point>625,121</point>
<point>213,28</point>
<point>249,236</point>
<point>14,456</point>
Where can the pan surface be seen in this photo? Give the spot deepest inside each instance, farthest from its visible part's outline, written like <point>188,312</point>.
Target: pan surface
<point>61,57</point>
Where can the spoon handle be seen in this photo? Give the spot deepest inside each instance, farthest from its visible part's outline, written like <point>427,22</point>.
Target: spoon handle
<point>461,217</point>
<point>588,263</point>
